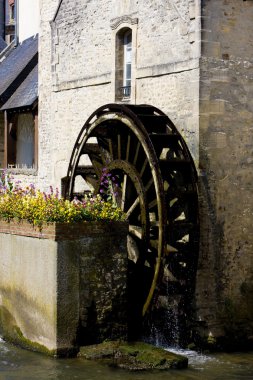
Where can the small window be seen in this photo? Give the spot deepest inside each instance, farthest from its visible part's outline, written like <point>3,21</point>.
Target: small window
<point>12,12</point>
<point>21,149</point>
<point>25,141</point>
<point>127,64</point>
<point>123,64</point>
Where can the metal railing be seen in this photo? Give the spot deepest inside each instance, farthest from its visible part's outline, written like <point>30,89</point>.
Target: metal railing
<point>124,92</point>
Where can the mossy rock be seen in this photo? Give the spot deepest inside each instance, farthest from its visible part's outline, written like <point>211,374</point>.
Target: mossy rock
<point>135,356</point>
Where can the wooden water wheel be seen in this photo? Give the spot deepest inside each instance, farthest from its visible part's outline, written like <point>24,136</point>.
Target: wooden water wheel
<point>142,149</point>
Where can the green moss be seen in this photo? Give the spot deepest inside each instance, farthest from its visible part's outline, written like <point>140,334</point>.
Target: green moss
<point>211,340</point>
<point>133,356</point>
<point>12,333</point>
<point>30,345</point>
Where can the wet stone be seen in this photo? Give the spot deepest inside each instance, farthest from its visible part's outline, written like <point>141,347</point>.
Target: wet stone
<point>134,356</point>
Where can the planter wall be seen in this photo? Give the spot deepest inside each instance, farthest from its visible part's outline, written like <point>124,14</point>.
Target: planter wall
<point>63,286</point>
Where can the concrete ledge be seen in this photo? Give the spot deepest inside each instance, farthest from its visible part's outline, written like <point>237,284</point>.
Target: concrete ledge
<point>46,287</point>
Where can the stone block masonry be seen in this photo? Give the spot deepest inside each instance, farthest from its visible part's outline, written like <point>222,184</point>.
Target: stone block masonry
<point>225,276</point>
<point>77,58</point>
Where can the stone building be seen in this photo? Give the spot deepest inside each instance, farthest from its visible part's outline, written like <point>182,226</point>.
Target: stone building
<point>19,86</point>
<point>7,20</point>
<point>19,19</point>
<point>19,106</point>
<point>192,59</point>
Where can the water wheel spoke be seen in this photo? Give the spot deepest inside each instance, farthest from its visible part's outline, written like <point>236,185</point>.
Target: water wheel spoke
<point>149,184</point>
<point>128,147</point>
<point>93,182</point>
<point>98,166</point>
<point>152,204</point>
<point>110,148</point>
<point>123,193</point>
<point>91,149</point>
<point>143,167</point>
<point>136,153</point>
<point>104,152</point>
<point>132,207</point>
<point>119,146</point>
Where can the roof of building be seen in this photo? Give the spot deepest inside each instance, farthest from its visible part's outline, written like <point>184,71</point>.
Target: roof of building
<point>17,65</point>
<point>26,94</point>
<point>3,44</point>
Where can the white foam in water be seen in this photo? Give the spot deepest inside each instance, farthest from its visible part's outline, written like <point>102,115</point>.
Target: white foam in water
<point>194,357</point>
<point>3,348</point>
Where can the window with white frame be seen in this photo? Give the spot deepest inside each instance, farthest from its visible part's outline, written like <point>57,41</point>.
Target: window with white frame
<point>124,58</point>
<point>12,12</point>
<point>127,69</point>
<point>21,139</point>
<point>123,74</point>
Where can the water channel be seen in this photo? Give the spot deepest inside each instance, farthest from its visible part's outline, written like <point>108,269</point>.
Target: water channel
<point>16,363</point>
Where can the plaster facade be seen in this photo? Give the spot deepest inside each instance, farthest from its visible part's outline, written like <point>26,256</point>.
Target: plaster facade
<point>193,60</point>
<point>75,86</point>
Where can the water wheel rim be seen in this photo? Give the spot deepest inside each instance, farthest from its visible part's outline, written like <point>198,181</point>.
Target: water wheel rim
<point>142,136</point>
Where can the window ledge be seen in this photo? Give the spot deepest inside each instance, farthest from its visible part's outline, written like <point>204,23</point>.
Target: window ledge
<point>124,100</point>
<point>23,171</point>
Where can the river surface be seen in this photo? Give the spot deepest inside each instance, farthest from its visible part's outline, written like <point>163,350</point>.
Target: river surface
<point>16,363</point>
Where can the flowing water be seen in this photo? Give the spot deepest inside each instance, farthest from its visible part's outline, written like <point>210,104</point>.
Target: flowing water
<point>16,363</point>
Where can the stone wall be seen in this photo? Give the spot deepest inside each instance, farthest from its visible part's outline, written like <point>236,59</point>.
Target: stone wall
<point>225,277</point>
<point>77,69</point>
<point>46,106</point>
<point>103,285</point>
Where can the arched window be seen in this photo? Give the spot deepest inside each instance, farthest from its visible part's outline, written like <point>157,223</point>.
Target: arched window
<point>123,74</point>
<point>124,58</point>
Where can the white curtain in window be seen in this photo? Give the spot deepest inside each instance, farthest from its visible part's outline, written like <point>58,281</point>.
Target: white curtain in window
<point>25,141</point>
<point>127,58</point>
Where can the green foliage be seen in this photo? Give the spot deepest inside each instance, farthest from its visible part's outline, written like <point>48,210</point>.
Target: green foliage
<point>40,208</point>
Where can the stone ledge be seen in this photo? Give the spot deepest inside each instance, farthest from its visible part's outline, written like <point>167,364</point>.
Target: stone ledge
<point>63,231</point>
<point>98,80</point>
<point>167,68</point>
